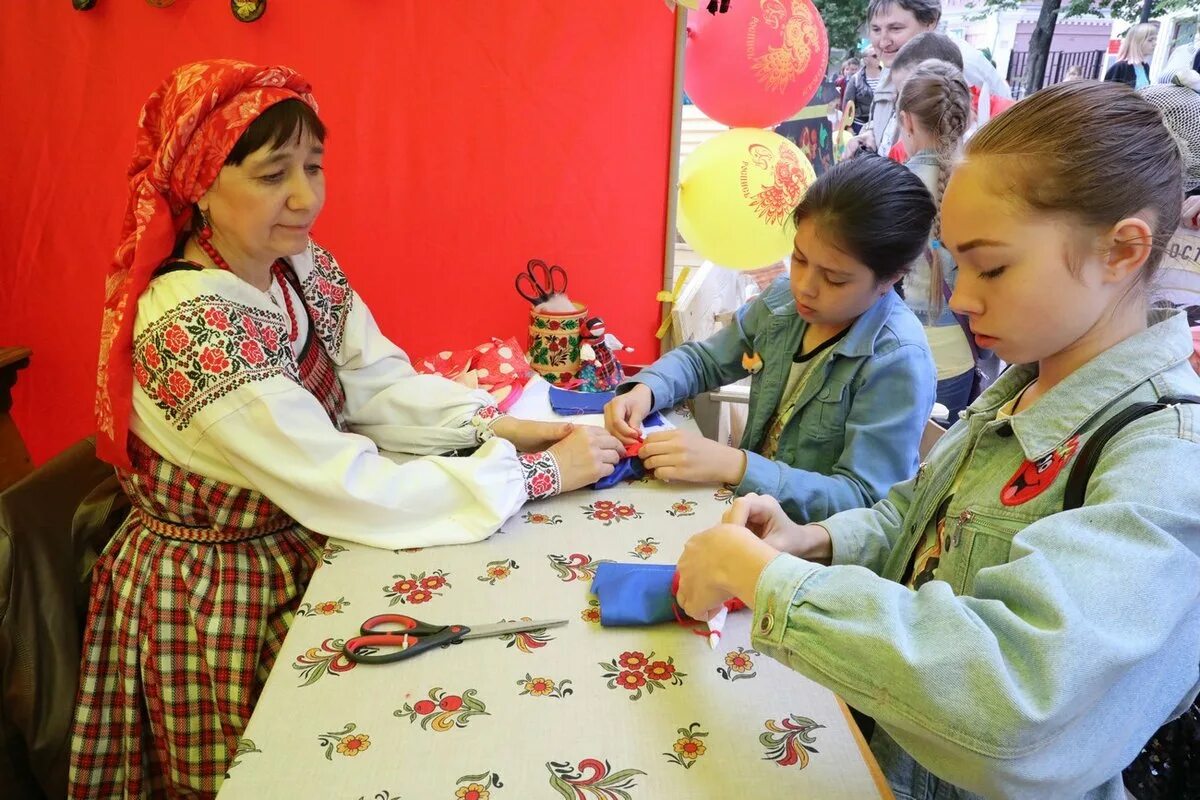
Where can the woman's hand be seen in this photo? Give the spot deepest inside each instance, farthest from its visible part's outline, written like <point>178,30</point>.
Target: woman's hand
<point>585,456</point>
<point>720,563</point>
<point>530,436</point>
<point>688,456</point>
<point>764,517</point>
<point>623,414</point>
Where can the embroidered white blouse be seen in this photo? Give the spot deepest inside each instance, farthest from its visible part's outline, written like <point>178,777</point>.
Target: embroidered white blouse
<point>217,392</point>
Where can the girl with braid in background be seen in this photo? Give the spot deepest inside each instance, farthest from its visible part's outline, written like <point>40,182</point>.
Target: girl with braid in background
<point>934,112</point>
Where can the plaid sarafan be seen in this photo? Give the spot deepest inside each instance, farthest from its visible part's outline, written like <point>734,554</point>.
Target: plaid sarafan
<point>189,606</point>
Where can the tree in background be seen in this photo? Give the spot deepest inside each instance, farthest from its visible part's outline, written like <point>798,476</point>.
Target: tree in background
<point>1043,32</point>
<point>843,21</point>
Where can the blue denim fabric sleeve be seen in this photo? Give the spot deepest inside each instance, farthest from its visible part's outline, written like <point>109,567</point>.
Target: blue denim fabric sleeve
<point>865,536</point>
<point>882,439</point>
<point>696,367</point>
<point>1051,673</point>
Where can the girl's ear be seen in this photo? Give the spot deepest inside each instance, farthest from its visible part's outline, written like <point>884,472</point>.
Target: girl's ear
<point>906,122</point>
<point>1130,244</point>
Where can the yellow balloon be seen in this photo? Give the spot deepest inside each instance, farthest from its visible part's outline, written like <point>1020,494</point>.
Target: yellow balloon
<point>737,192</point>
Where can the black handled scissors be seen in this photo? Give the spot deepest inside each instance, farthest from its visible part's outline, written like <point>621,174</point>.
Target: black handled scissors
<point>538,283</point>
<point>395,637</point>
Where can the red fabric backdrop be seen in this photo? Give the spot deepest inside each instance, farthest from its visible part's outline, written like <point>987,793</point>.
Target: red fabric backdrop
<point>465,138</point>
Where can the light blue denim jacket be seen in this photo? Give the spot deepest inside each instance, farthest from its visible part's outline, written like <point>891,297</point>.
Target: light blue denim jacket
<point>1051,644</point>
<point>857,425</point>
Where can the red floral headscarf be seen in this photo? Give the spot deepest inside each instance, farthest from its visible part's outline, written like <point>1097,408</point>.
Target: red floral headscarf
<point>186,131</point>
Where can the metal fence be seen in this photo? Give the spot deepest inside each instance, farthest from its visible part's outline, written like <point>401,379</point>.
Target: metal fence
<point>1057,64</point>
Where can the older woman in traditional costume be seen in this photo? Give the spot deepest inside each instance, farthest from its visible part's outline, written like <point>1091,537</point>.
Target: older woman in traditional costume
<point>245,395</point>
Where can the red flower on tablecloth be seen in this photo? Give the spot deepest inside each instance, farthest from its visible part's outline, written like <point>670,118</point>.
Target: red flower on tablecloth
<point>660,671</point>
<point>591,778</point>
<point>416,589</point>
<point>688,747</point>
<point>526,641</point>
<point>497,571</point>
<point>738,665</point>
<point>645,548</point>
<point>634,660</point>
<point>542,519</point>
<point>793,744</point>
<point>634,670</point>
<point>345,741</point>
<point>443,711</point>
<point>477,786</point>
<point>416,597</point>
<point>324,608</point>
<point>628,679</point>
<point>327,659</point>
<point>592,612</point>
<point>577,566</point>
<point>684,508</point>
<point>151,357</point>
<point>608,512</point>
<point>544,687</point>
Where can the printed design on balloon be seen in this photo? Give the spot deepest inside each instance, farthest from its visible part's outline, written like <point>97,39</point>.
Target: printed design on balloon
<point>776,201</point>
<point>779,67</point>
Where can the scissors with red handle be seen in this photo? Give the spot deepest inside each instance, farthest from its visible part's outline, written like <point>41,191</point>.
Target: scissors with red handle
<point>539,282</point>
<point>394,637</point>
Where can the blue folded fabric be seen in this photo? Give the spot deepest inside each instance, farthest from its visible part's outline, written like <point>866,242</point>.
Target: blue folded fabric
<point>634,594</point>
<point>569,404</point>
<point>627,469</point>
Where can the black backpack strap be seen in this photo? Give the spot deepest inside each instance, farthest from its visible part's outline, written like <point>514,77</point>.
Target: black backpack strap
<point>1081,472</point>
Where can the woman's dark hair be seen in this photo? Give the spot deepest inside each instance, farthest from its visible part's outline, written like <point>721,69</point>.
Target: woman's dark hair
<point>275,126</point>
<point>873,208</point>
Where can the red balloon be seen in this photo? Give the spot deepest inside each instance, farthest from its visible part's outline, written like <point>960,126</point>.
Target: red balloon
<point>757,64</point>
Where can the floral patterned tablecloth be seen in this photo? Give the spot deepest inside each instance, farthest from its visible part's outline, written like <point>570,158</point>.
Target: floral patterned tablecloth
<point>579,712</point>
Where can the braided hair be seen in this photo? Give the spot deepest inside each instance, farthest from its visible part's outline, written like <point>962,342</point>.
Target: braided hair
<point>938,99</point>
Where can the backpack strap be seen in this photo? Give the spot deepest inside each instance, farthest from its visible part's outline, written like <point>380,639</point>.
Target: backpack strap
<point>1082,470</point>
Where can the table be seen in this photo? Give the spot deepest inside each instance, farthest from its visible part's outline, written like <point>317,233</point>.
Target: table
<point>579,712</point>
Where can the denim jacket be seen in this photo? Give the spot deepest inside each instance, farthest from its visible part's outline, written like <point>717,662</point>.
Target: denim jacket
<point>1051,644</point>
<point>857,425</point>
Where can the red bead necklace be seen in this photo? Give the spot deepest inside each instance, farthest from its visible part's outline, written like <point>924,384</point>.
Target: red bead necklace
<point>203,238</point>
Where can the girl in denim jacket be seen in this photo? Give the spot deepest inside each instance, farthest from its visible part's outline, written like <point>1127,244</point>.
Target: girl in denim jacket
<point>843,380</point>
<point>1006,647</point>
